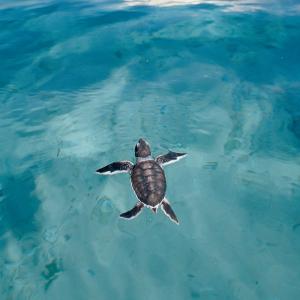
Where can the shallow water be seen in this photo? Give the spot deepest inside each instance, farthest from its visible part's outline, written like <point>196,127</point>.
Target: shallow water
<point>80,82</point>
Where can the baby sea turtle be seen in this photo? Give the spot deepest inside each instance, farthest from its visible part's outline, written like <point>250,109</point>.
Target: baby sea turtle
<point>147,179</point>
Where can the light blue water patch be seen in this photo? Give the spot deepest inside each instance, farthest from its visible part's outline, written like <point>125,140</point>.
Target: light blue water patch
<point>80,82</point>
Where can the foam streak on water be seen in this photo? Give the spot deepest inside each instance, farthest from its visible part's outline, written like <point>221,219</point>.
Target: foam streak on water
<point>80,82</point>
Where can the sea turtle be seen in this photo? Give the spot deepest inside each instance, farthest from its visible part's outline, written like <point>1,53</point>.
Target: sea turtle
<point>147,179</point>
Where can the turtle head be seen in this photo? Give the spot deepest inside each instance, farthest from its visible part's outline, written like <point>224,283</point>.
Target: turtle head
<point>142,149</point>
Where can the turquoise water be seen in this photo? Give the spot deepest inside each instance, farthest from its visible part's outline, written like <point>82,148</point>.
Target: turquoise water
<point>80,82</point>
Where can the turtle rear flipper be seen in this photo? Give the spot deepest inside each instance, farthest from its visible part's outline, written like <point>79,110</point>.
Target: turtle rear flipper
<point>169,212</point>
<point>133,212</point>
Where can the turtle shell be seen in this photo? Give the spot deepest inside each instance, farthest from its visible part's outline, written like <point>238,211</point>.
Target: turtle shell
<point>149,182</point>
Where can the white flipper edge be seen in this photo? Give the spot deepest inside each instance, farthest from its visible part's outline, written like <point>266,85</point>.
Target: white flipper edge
<point>169,158</point>
<point>132,213</point>
<point>116,168</point>
<point>174,161</point>
<point>168,211</point>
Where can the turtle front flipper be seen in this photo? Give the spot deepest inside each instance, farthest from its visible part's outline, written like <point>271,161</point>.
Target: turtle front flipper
<point>169,158</point>
<point>116,167</point>
<point>133,212</point>
<point>169,212</point>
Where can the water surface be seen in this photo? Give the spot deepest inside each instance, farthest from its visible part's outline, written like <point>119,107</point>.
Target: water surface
<point>80,82</point>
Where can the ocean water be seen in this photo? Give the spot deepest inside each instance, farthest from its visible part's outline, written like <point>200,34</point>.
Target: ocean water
<point>81,81</point>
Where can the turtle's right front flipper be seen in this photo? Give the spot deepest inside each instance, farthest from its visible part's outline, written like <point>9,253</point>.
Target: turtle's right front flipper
<point>116,167</point>
<point>133,212</point>
<point>169,158</point>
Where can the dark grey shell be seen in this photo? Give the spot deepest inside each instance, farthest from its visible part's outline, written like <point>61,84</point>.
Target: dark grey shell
<point>149,182</point>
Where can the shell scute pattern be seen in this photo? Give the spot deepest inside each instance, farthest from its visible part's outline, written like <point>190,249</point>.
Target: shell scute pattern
<point>149,182</point>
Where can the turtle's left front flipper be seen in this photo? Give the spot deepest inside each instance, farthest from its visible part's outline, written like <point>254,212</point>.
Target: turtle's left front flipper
<point>169,212</point>
<point>116,167</point>
<point>169,158</point>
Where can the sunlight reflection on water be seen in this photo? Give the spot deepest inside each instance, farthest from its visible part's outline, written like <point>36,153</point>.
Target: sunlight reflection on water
<point>81,82</point>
